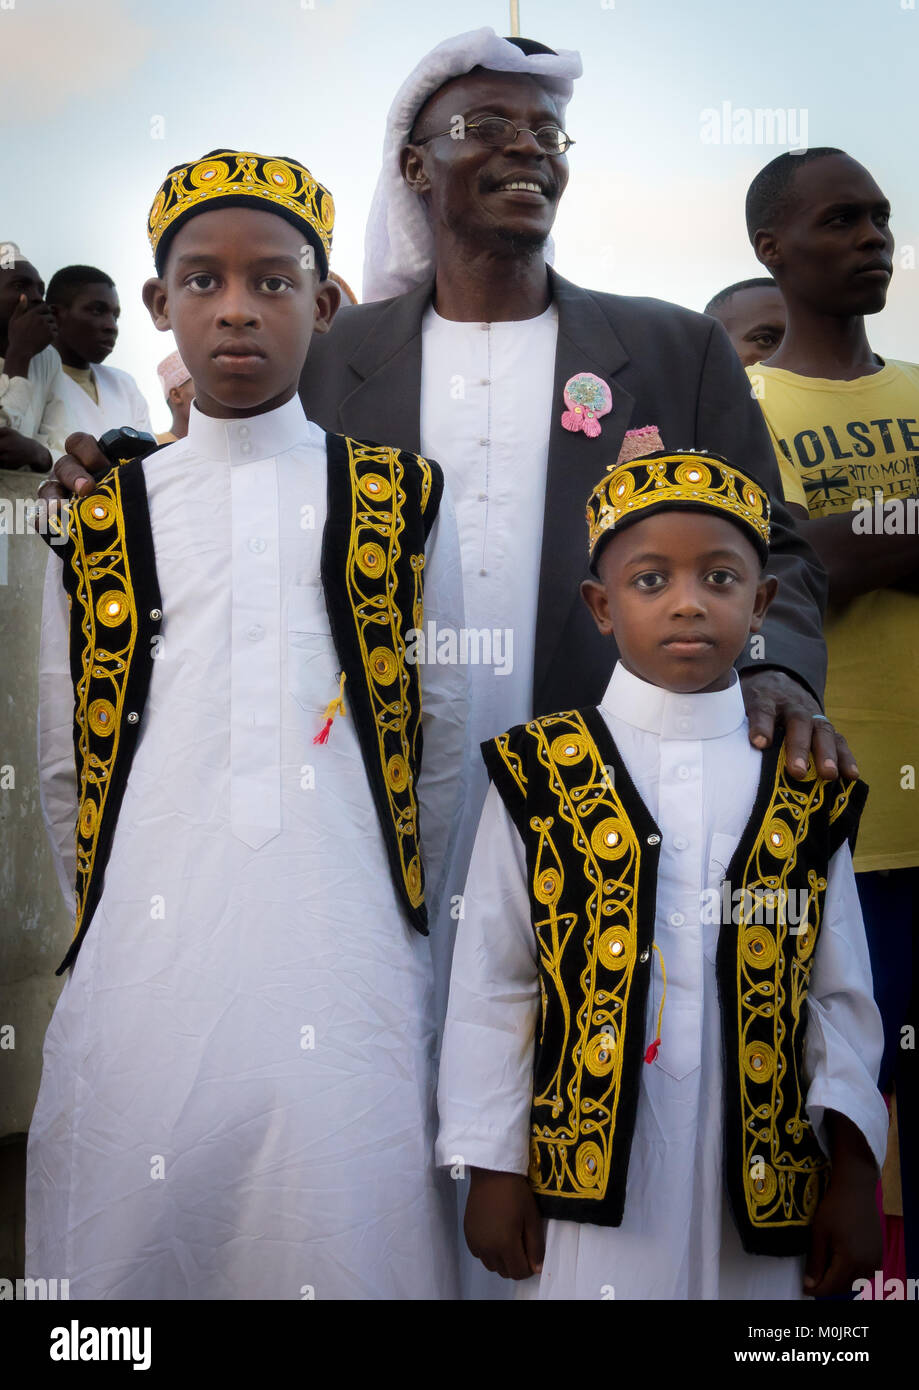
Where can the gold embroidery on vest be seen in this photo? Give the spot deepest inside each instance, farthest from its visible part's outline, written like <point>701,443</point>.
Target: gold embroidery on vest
<point>108,619</point>
<point>394,686</point>
<point>575,1113</point>
<point>784,1171</point>
<point>512,762</point>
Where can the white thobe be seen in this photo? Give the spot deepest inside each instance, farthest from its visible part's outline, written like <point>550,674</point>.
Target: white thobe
<point>486,414</point>
<point>33,405</point>
<point>120,403</point>
<point>238,1090</point>
<point>690,759</point>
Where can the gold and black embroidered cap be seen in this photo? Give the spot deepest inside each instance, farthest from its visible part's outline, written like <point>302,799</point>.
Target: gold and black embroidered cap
<point>235,178</point>
<point>691,480</point>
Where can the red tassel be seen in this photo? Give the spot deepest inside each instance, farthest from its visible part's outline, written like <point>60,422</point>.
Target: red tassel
<point>323,735</point>
<point>651,1054</point>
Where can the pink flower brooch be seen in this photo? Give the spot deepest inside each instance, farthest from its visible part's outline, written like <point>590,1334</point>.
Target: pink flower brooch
<point>587,398</point>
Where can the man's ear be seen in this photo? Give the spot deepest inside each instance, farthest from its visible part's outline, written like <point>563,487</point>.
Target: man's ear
<point>154,296</point>
<point>766,591</point>
<point>766,249</point>
<point>411,164</point>
<point>594,595</point>
<point>328,302</point>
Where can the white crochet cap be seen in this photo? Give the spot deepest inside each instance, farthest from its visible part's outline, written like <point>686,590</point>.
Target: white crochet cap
<point>10,254</point>
<point>398,243</point>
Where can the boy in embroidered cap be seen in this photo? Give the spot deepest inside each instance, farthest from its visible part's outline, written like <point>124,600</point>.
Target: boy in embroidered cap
<point>248,1017</point>
<point>661,1047</point>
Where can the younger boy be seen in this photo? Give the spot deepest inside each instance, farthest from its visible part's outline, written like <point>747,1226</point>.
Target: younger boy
<point>237,1095</point>
<point>593,993</point>
<point>87,309</point>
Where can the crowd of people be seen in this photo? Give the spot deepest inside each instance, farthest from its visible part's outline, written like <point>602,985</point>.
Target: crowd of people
<point>302,893</point>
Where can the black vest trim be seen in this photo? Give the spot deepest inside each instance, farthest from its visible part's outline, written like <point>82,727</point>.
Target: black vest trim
<point>115,616</point>
<point>775,1171</point>
<point>592,860</point>
<point>587,832</point>
<point>382,505</point>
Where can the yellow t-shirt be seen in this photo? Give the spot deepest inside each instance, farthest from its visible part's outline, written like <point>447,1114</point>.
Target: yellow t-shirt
<point>836,441</point>
<point>84,378</point>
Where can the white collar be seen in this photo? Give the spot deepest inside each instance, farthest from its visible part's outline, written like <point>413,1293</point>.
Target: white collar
<point>672,715</point>
<point>246,440</point>
<point>432,320</point>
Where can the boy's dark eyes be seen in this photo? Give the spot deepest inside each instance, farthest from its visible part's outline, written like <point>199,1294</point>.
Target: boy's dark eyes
<point>653,579</point>
<point>273,284</point>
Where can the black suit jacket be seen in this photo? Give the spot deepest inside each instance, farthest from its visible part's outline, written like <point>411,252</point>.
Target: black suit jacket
<point>666,366</point>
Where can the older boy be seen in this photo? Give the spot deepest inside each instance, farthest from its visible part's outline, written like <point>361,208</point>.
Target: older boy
<point>593,995</point>
<point>237,1097</point>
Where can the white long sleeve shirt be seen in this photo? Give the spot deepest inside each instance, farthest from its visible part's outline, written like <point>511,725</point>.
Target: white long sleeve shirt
<point>238,1093</point>
<point>33,405</point>
<point>690,759</point>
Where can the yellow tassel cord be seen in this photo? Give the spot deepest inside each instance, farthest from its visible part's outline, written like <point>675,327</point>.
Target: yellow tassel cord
<point>654,1048</point>
<point>336,706</point>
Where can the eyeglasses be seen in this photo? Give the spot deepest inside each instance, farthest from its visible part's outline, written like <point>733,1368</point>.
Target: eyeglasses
<point>496,131</point>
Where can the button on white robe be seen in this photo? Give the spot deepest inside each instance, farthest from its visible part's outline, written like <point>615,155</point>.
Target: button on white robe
<point>238,1093</point>
<point>693,766</point>
<point>486,412</point>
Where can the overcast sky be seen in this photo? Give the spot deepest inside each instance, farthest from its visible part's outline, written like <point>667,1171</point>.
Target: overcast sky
<point>100,98</point>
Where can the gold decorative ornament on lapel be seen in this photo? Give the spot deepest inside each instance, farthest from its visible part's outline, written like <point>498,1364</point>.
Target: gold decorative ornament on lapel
<point>587,398</point>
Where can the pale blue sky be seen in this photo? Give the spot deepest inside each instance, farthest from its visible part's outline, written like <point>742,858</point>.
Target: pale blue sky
<point>651,207</point>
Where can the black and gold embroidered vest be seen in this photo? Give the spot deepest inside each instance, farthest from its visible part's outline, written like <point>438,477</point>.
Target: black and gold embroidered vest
<point>382,504</point>
<point>592,853</point>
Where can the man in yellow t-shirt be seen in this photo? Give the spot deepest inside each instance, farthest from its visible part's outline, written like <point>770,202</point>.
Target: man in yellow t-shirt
<point>845,427</point>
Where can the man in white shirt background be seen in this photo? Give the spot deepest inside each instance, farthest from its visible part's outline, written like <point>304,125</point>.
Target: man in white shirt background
<point>31,415</point>
<point>87,309</point>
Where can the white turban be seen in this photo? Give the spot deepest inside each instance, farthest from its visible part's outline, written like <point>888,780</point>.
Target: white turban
<point>9,255</point>
<point>399,244</point>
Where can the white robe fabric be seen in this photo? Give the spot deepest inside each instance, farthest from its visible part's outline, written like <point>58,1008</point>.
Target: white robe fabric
<point>479,383</point>
<point>692,764</point>
<point>237,1098</point>
<point>120,403</point>
<point>33,405</point>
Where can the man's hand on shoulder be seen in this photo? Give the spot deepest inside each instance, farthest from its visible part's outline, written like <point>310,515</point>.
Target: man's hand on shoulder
<point>503,1226</point>
<point>772,696</point>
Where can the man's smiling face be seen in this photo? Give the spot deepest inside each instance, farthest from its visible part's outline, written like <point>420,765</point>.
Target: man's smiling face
<point>489,196</point>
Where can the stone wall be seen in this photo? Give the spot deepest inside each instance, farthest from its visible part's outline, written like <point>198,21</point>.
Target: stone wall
<point>34,925</point>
